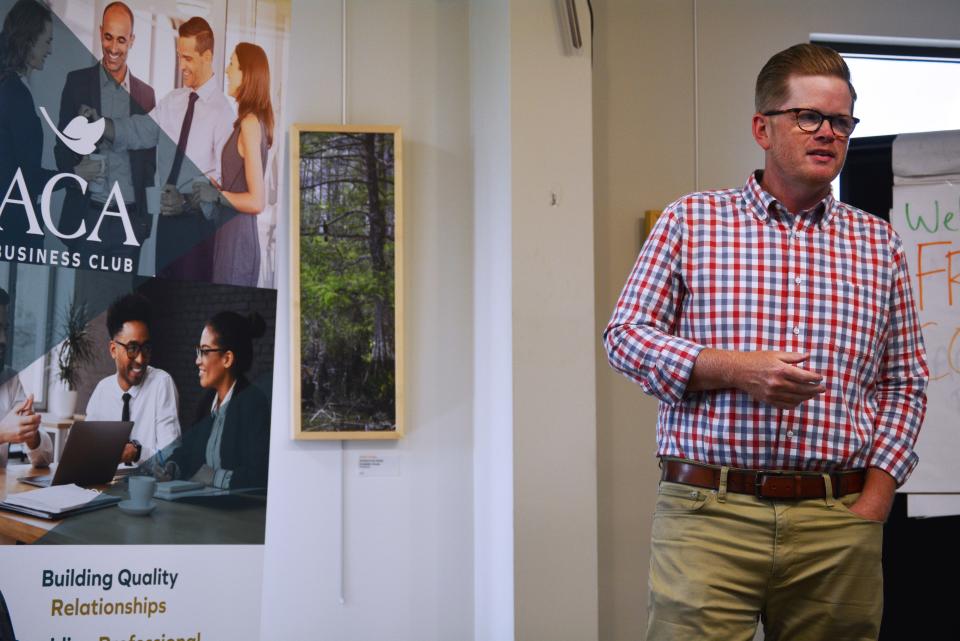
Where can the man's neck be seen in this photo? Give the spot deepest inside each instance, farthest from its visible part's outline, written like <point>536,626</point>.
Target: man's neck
<point>201,82</point>
<point>124,385</point>
<point>119,75</point>
<point>795,199</point>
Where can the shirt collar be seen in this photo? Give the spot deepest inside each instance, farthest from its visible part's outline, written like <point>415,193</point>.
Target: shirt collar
<point>214,408</point>
<point>134,390</point>
<point>207,89</point>
<point>106,79</point>
<point>761,203</point>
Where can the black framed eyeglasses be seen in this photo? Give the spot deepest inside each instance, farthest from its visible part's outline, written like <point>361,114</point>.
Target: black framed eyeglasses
<point>810,120</point>
<point>134,348</point>
<point>203,351</point>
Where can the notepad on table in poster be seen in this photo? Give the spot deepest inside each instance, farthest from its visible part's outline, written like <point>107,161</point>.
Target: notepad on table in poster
<point>55,499</point>
<point>172,489</point>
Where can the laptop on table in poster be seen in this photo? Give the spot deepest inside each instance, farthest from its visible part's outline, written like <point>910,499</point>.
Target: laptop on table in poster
<point>90,457</point>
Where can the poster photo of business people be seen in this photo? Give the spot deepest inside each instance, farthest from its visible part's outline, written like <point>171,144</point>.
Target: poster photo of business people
<point>139,165</point>
<point>145,135</point>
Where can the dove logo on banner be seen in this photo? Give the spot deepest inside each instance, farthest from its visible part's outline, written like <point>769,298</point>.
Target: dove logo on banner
<point>79,135</point>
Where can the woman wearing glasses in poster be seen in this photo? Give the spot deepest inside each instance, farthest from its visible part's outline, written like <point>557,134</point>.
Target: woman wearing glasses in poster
<point>236,258</point>
<point>228,447</point>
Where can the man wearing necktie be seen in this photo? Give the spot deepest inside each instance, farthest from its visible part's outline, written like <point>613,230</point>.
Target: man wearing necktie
<point>137,392</point>
<point>189,127</point>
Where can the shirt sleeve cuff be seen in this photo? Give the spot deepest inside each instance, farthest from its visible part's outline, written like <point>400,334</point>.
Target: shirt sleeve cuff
<point>221,478</point>
<point>900,468</point>
<point>670,376</point>
<point>42,454</point>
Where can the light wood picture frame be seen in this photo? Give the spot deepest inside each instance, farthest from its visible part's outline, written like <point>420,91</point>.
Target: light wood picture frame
<point>649,219</point>
<point>346,253</point>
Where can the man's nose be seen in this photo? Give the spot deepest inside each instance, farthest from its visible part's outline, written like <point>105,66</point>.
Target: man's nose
<point>826,131</point>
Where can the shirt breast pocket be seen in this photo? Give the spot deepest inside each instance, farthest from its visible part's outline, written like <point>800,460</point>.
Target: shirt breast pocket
<point>856,323</point>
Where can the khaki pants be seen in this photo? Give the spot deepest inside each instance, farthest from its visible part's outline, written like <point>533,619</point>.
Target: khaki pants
<point>810,569</point>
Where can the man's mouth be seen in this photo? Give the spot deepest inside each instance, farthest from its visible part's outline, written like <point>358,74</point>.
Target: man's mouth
<point>822,154</point>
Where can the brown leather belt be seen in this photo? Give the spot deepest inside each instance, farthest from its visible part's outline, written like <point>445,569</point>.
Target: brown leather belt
<point>762,484</point>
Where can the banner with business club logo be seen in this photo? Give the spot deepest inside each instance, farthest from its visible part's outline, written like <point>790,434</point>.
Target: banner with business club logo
<point>140,156</point>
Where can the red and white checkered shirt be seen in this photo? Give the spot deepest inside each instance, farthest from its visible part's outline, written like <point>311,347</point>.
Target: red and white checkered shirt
<point>734,270</point>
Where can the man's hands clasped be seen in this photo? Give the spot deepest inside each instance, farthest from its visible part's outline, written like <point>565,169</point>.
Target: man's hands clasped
<point>21,425</point>
<point>770,377</point>
<point>774,378</point>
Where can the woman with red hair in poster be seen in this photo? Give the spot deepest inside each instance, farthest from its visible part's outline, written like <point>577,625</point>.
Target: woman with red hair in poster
<point>242,194</point>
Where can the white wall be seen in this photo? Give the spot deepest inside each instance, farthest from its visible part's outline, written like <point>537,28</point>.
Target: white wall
<point>494,610</point>
<point>554,412</point>
<point>490,531</point>
<point>645,155</point>
<point>409,540</point>
<point>535,446</point>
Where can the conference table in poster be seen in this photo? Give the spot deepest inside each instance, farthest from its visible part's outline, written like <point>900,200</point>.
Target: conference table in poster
<point>225,520</point>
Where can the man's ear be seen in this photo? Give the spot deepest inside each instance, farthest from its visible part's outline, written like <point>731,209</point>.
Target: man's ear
<point>113,350</point>
<point>228,359</point>
<point>761,130</point>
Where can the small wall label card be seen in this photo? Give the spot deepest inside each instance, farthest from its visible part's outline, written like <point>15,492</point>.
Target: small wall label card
<point>378,465</point>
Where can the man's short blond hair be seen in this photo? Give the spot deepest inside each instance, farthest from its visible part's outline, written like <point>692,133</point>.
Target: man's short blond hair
<point>799,60</point>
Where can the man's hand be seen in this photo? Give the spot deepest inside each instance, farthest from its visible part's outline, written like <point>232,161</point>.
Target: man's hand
<point>109,133</point>
<point>166,472</point>
<point>21,425</point>
<point>205,191</point>
<point>203,475</point>
<point>767,376</point>
<point>876,499</point>
<point>774,378</point>
<point>129,455</point>
<point>88,112</point>
<point>171,201</point>
<point>89,169</point>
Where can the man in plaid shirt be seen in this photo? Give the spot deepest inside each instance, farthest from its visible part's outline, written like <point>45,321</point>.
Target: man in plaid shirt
<point>777,327</point>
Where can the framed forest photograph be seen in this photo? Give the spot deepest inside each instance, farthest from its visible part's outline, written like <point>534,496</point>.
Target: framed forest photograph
<point>346,266</point>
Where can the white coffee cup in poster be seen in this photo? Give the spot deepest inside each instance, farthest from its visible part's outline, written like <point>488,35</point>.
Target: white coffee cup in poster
<point>154,199</point>
<point>141,490</point>
<point>98,185</point>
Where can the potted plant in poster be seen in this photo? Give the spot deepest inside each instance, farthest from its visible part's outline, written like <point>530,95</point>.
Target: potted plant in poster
<point>75,351</point>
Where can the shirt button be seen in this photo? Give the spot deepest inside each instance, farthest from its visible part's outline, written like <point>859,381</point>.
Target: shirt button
<point>790,434</point>
<point>796,331</point>
<point>798,280</point>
